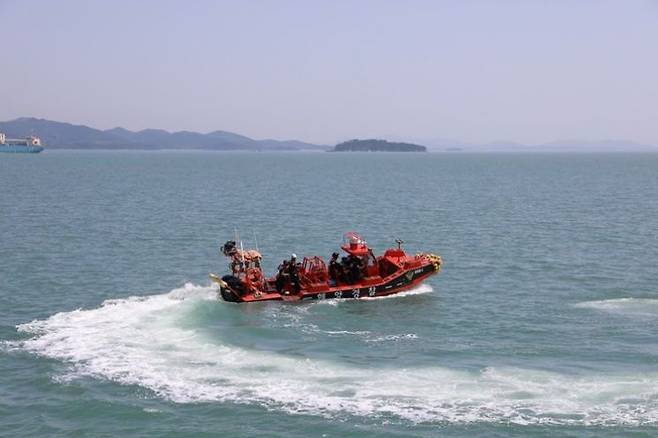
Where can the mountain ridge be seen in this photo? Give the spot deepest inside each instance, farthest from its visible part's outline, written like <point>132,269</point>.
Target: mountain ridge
<point>552,146</point>
<point>63,135</point>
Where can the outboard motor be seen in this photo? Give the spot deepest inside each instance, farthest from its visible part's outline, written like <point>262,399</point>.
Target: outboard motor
<point>234,290</point>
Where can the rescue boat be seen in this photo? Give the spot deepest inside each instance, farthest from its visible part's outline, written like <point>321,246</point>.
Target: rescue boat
<point>393,272</point>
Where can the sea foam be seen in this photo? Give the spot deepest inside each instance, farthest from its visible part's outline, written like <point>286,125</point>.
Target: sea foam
<point>645,307</point>
<point>137,341</point>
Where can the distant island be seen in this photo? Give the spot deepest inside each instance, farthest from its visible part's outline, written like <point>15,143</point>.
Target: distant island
<point>372,145</point>
<point>59,135</point>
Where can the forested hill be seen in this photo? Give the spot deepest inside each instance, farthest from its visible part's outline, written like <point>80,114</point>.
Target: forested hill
<point>377,146</point>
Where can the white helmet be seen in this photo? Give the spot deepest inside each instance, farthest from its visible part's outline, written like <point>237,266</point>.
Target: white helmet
<point>293,256</point>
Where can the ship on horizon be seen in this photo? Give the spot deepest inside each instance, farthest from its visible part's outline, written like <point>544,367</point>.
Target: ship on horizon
<point>29,145</point>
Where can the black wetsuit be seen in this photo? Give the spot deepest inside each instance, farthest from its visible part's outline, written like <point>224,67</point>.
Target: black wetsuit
<point>355,268</point>
<point>334,269</point>
<point>281,277</point>
<point>294,276</point>
<point>344,270</point>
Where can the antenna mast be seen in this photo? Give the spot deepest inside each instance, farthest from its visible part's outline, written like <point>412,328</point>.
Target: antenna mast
<point>256,241</point>
<point>237,238</point>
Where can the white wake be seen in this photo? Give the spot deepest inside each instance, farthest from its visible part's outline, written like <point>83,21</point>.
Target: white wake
<point>644,307</point>
<point>140,341</point>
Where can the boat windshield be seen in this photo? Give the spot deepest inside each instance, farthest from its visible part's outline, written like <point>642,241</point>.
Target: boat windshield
<point>354,244</point>
<point>352,239</point>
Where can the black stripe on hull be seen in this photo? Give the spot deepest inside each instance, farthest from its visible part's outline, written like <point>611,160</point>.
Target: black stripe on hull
<point>389,288</point>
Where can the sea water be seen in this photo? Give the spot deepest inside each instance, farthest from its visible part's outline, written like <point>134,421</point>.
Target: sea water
<point>542,322</point>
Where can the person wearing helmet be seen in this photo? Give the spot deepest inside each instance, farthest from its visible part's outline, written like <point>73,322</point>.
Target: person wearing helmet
<point>293,273</point>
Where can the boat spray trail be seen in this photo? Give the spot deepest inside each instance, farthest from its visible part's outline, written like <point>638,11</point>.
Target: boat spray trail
<point>141,341</point>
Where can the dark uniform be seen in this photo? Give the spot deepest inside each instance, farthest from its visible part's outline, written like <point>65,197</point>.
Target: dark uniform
<point>335,268</point>
<point>294,275</point>
<point>354,268</point>
<point>281,276</point>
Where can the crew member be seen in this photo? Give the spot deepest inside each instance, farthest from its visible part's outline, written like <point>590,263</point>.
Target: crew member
<point>344,270</point>
<point>293,272</point>
<point>281,276</point>
<point>334,268</point>
<point>354,264</point>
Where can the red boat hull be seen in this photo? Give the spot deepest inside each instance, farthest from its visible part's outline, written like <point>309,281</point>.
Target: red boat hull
<point>400,281</point>
<point>360,275</point>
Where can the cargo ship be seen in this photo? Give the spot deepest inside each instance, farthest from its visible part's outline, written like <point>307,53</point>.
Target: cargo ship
<point>29,145</point>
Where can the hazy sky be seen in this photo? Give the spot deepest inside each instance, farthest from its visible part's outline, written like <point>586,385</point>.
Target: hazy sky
<point>322,71</point>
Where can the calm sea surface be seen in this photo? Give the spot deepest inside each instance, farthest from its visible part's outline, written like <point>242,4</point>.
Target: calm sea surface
<point>543,322</point>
